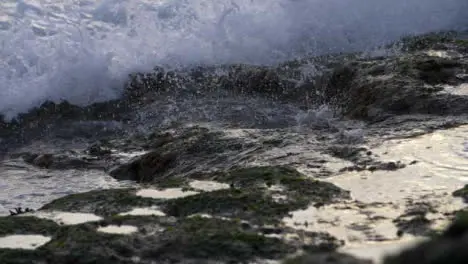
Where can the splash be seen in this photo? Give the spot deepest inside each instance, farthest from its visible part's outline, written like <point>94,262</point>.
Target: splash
<point>83,50</point>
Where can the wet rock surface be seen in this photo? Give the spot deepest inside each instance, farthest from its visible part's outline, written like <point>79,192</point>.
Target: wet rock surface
<point>244,164</point>
<point>235,230</point>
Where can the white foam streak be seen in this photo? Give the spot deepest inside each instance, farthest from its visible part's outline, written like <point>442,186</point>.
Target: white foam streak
<point>82,51</point>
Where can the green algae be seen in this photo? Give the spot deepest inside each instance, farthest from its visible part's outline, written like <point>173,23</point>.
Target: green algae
<point>251,197</point>
<point>202,238</point>
<point>255,206</point>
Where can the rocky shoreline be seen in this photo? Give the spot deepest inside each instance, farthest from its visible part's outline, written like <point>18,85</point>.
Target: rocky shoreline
<point>303,162</point>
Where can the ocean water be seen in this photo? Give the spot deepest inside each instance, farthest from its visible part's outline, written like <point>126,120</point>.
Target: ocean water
<point>83,50</point>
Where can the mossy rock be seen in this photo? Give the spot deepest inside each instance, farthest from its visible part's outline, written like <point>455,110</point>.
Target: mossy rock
<point>21,256</point>
<point>251,205</point>
<point>24,225</point>
<point>101,202</point>
<point>191,240</point>
<point>297,185</point>
<point>202,238</point>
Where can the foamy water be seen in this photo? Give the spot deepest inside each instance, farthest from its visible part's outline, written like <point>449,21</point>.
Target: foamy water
<point>82,50</point>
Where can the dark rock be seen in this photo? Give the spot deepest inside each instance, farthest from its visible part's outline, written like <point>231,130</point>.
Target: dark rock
<point>98,150</point>
<point>43,161</point>
<point>187,151</point>
<point>20,210</point>
<point>347,152</point>
<point>450,247</point>
<point>409,84</point>
<point>145,168</point>
<point>391,166</point>
<point>159,140</point>
<point>416,225</point>
<point>326,258</point>
<point>59,161</point>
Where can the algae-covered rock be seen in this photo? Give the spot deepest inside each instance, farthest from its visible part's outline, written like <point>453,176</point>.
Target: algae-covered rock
<point>158,239</point>
<point>216,226</point>
<point>326,258</point>
<point>298,187</point>
<point>22,256</point>
<point>100,202</point>
<point>255,206</point>
<point>258,194</point>
<point>26,225</point>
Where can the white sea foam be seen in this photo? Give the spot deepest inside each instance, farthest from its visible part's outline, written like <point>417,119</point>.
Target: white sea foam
<point>144,211</point>
<point>23,241</point>
<point>171,193</point>
<point>82,50</point>
<point>120,230</point>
